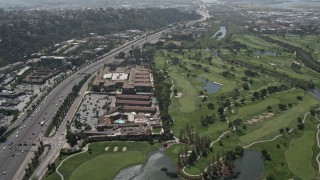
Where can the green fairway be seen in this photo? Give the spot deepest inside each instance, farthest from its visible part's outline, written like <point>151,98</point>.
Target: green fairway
<point>255,108</point>
<point>254,42</point>
<point>185,66</point>
<point>102,164</point>
<point>188,99</point>
<point>106,166</point>
<point>281,121</point>
<point>299,156</point>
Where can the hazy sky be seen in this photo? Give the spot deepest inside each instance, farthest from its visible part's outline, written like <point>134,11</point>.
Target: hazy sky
<point>89,3</point>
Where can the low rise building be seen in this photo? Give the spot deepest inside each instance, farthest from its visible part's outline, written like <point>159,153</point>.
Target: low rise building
<point>11,67</point>
<point>52,61</point>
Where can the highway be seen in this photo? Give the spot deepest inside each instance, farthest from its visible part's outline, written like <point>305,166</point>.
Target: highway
<point>17,151</point>
<point>19,144</point>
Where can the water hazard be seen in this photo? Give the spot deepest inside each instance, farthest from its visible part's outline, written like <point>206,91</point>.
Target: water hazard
<point>221,33</point>
<point>315,93</point>
<point>209,87</point>
<point>250,166</point>
<point>158,167</point>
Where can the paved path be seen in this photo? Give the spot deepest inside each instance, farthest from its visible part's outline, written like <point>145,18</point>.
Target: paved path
<point>85,149</point>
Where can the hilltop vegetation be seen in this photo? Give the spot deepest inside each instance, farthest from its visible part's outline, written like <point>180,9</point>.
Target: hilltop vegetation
<point>26,32</point>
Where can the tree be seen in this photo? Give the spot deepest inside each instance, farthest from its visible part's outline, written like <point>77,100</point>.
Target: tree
<point>281,130</point>
<point>210,105</point>
<point>266,155</point>
<point>300,126</point>
<point>299,98</point>
<point>246,86</point>
<point>221,110</point>
<point>242,100</point>
<point>3,129</point>
<point>282,107</point>
<point>239,151</point>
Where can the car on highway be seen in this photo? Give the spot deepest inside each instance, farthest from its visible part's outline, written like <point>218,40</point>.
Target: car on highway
<point>4,147</point>
<point>4,173</point>
<point>16,136</point>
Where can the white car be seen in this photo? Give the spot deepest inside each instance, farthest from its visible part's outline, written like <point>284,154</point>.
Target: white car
<point>16,136</point>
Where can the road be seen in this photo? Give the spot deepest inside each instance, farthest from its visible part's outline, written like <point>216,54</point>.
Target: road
<point>31,130</point>
<point>58,140</point>
<point>18,150</point>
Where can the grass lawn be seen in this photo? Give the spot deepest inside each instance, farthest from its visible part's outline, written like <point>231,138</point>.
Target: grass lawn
<point>281,121</point>
<point>102,164</point>
<point>156,130</point>
<point>307,43</point>
<point>106,166</point>
<point>254,42</point>
<point>189,108</point>
<point>52,176</point>
<point>188,99</point>
<point>254,108</point>
<point>299,156</point>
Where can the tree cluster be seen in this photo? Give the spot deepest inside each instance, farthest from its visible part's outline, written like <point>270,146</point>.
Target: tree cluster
<point>207,119</point>
<point>26,32</point>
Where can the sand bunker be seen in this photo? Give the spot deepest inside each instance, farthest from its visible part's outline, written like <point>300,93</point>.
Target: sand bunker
<point>260,118</point>
<point>107,148</point>
<point>179,94</point>
<point>115,149</point>
<point>124,149</point>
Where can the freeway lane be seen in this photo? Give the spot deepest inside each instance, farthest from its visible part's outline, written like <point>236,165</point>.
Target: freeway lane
<point>31,129</point>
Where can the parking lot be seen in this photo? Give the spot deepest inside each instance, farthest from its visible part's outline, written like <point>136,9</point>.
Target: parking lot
<point>24,99</point>
<point>92,107</point>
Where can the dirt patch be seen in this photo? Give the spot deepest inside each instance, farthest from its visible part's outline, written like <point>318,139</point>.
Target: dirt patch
<point>115,149</point>
<point>107,148</point>
<point>179,94</point>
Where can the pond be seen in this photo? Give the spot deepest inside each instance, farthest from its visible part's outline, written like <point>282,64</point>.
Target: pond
<point>315,93</point>
<point>267,53</point>
<point>221,33</point>
<point>250,166</point>
<point>157,167</point>
<point>209,87</point>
